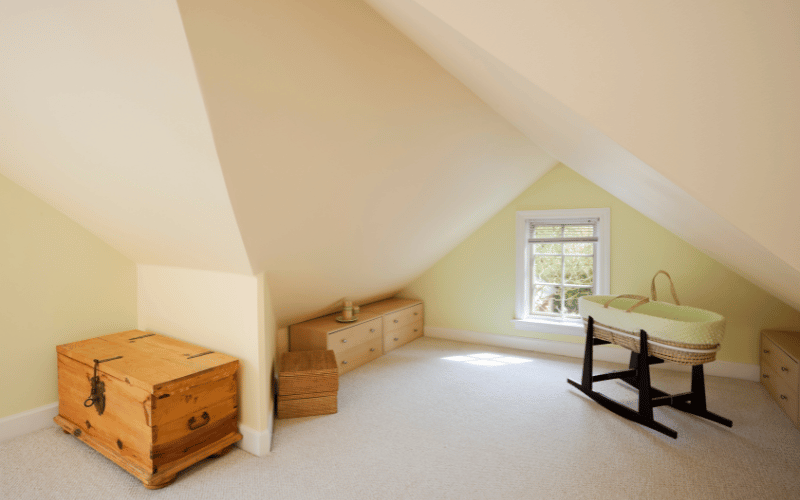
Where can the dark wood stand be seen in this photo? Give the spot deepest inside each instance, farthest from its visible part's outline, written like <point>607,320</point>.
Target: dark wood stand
<point>638,376</point>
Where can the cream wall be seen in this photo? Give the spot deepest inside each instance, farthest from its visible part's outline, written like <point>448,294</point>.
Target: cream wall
<point>472,288</point>
<point>58,284</point>
<point>217,310</point>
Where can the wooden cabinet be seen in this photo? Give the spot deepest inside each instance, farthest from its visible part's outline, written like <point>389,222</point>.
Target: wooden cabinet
<point>401,327</point>
<point>780,369</point>
<point>152,404</point>
<point>380,327</point>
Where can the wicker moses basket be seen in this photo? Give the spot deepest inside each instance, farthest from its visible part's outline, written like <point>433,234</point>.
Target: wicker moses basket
<point>682,334</point>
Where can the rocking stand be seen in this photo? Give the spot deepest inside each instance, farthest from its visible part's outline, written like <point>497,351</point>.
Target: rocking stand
<point>638,376</point>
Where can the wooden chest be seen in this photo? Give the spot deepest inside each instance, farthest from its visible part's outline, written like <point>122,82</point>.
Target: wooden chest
<point>308,383</point>
<point>152,404</point>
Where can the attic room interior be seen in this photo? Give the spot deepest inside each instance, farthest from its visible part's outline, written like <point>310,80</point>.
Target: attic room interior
<point>217,172</point>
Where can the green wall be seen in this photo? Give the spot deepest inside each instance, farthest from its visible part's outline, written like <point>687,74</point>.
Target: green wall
<point>472,288</point>
<point>58,284</point>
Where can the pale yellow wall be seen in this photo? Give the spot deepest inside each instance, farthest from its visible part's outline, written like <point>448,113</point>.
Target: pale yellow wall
<point>472,288</point>
<point>220,311</point>
<point>58,284</point>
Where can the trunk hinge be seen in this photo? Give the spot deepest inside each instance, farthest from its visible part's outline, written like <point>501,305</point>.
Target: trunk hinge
<point>98,396</point>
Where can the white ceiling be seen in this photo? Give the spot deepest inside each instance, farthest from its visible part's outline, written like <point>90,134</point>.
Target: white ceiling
<point>313,141</point>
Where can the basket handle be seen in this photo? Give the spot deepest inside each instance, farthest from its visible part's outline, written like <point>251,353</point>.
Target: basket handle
<point>671,287</point>
<point>642,300</point>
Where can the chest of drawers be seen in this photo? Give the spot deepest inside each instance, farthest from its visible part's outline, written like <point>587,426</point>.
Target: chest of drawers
<point>379,328</point>
<point>780,369</point>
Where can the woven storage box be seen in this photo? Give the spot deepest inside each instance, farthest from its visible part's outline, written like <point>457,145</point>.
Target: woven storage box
<point>681,334</point>
<point>308,383</point>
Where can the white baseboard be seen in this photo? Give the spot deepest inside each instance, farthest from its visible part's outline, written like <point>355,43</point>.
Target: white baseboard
<point>254,442</point>
<point>613,354</point>
<point>28,421</point>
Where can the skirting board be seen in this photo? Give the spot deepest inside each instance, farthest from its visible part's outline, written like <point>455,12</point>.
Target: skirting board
<point>612,354</point>
<point>28,421</point>
<point>256,443</point>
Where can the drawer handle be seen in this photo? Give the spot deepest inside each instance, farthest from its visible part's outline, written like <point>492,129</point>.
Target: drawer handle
<point>344,341</point>
<point>766,351</point>
<point>415,330</point>
<point>783,397</point>
<point>397,321</point>
<point>416,314</point>
<point>193,422</point>
<point>372,350</point>
<point>765,376</point>
<point>784,369</point>
<point>396,339</point>
<point>344,362</point>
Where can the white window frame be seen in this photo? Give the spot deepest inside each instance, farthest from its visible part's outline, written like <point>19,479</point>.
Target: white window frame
<point>602,272</point>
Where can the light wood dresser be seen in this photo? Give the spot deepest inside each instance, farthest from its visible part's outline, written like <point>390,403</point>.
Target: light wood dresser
<point>379,328</point>
<point>780,369</point>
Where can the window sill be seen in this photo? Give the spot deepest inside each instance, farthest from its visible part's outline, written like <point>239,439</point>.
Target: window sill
<point>563,327</point>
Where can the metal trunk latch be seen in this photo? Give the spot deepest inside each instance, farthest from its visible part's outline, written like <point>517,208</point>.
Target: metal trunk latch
<point>98,397</point>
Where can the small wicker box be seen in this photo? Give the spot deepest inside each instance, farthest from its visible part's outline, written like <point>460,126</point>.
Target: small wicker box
<point>307,384</point>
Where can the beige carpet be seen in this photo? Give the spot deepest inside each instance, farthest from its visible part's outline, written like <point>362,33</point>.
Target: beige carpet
<point>503,424</point>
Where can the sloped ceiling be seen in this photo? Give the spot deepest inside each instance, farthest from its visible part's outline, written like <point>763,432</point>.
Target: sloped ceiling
<point>102,117</point>
<point>326,149</point>
<point>687,111</point>
<point>314,142</point>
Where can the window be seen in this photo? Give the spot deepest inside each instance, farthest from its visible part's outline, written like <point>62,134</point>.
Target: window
<point>561,256</point>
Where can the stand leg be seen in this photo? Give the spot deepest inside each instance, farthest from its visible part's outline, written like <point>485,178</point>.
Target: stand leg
<point>696,405</point>
<point>588,354</point>
<point>643,376</point>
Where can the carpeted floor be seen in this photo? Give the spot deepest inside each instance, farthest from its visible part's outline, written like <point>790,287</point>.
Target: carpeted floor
<point>438,419</point>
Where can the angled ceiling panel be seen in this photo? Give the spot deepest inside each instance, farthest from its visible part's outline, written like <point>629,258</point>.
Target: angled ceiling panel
<point>103,119</point>
<point>354,161</point>
<point>686,111</point>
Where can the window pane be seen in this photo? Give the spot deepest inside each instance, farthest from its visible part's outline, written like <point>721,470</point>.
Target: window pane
<point>578,270</point>
<point>546,299</point>
<point>547,231</point>
<point>579,248</point>
<point>546,269</point>
<point>578,231</point>
<point>571,300</point>
<point>547,248</point>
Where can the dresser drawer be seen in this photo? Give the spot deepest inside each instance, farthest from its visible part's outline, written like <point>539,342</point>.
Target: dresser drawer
<point>356,356</point>
<point>785,367</point>
<point>403,318</point>
<point>347,338</point>
<point>395,338</point>
<point>780,391</point>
